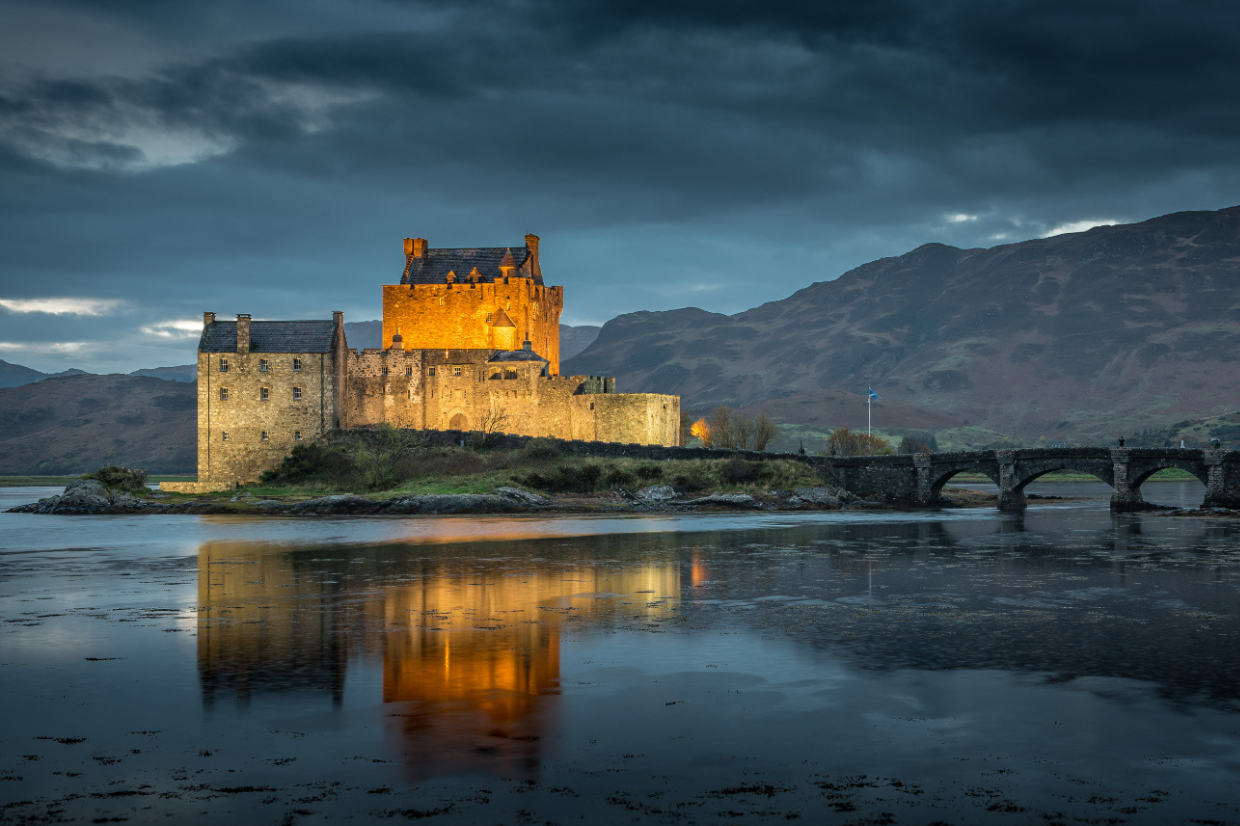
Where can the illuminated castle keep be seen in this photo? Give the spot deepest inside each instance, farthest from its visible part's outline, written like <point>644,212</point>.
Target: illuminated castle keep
<point>471,341</point>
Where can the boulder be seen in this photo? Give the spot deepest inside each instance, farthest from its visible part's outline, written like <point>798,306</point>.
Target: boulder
<point>452,503</point>
<point>342,503</point>
<point>833,497</point>
<point>657,493</point>
<point>726,500</point>
<point>523,497</point>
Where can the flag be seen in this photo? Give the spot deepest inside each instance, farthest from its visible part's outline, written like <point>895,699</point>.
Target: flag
<point>875,396</point>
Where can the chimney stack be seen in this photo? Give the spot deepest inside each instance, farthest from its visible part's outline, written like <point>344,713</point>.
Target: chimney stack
<point>208,319</point>
<point>531,244</point>
<point>527,345</point>
<point>243,333</point>
<point>415,247</point>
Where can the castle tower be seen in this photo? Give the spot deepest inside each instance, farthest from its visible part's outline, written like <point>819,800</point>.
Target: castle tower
<point>436,306</point>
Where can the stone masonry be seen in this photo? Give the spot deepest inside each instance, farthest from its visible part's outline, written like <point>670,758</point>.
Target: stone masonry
<point>471,343</point>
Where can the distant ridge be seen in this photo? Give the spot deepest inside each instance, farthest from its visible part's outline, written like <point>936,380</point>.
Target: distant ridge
<point>78,423</point>
<point>1083,336</point>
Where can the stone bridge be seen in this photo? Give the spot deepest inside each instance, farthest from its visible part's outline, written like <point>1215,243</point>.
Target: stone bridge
<point>919,478</point>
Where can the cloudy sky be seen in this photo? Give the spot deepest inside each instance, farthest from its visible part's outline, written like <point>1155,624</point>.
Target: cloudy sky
<point>161,158</point>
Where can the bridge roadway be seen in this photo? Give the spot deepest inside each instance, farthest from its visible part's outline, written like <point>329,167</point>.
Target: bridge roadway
<point>919,478</point>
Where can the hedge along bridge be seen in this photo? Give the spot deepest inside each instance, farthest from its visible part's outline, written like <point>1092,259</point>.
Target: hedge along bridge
<point>919,478</point>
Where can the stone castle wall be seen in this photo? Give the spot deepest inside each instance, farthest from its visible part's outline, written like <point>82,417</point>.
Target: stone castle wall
<point>300,405</point>
<point>462,315</point>
<point>462,390</point>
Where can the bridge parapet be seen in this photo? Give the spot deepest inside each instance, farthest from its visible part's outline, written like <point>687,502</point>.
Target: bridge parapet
<point>919,478</point>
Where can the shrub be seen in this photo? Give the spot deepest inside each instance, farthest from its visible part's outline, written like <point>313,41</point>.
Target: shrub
<point>120,478</point>
<point>738,472</point>
<point>648,472</point>
<point>312,463</point>
<point>618,478</point>
<point>844,442</point>
<point>583,479</point>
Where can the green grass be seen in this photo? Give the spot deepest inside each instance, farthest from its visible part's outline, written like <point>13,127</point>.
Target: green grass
<point>391,463</point>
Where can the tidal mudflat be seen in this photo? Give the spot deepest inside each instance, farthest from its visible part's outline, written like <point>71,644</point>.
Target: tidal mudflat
<point>1064,666</point>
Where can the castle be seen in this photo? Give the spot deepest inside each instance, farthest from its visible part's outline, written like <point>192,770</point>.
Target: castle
<point>471,341</point>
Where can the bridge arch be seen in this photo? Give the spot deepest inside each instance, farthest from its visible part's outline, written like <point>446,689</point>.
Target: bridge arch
<point>939,477</point>
<point>1027,479</point>
<point>1143,472</point>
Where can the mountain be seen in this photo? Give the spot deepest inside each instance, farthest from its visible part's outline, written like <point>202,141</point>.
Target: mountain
<point>183,372</point>
<point>79,423</point>
<point>15,375</point>
<point>364,335</point>
<point>1082,336</point>
<point>575,339</point>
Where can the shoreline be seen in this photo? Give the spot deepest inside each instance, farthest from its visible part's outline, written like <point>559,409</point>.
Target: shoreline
<point>89,497</point>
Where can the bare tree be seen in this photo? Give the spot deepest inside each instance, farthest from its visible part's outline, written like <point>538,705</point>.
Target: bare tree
<point>494,420</point>
<point>721,434</point>
<point>764,431</point>
<point>742,430</point>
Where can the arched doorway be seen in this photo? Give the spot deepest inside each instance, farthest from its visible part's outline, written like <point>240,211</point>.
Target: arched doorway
<point>458,422</point>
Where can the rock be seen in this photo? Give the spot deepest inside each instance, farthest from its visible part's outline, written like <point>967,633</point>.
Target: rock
<point>727,500</point>
<point>127,502</point>
<point>523,496</point>
<point>452,503</point>
<point>343,503</point>
<point>657,493</point>
<point>823,496</point>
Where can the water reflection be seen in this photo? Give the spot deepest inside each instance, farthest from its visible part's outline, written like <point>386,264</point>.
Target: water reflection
<point>470,658</point>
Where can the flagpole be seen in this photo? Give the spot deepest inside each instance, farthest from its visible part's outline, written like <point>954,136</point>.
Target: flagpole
<point>868,399</point>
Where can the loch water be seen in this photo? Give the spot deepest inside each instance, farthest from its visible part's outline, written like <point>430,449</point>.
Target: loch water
<point>1064,665</point>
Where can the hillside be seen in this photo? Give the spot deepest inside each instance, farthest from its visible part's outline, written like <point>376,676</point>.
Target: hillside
<point>575,339</point>
<point>1077,337</point>
<point>79,423</point>
<point>15,375</point>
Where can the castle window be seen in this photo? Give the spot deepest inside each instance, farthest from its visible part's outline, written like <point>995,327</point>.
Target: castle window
<point>264,394</point>
<point>456,371</point>
<point>223,435</point>
<point>441,301</point>
<point>430,371</point>
<point>510,374</point>
<point>296,435</point>
<point>296,365</point>
<point>490,318</point>
<point>223,394</point>
<point>223,365</point>
<point>383,371</point>
<point>264,436</point>
<point>296,394</point>
<point>263,365</point>
<point>408,371</point>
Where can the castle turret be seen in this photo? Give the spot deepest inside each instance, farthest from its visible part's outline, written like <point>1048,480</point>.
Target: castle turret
<point>503,332</point>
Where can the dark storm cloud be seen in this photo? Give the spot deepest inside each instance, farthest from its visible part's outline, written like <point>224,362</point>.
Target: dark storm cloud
<point>270,159</point>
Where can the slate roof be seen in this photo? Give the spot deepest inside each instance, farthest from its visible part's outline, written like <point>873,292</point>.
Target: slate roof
<point>270,337</point>
<point>517,355</point>
<point>434,266</point>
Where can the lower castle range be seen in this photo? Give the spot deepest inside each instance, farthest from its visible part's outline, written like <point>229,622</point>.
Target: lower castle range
<point>471,341</point>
